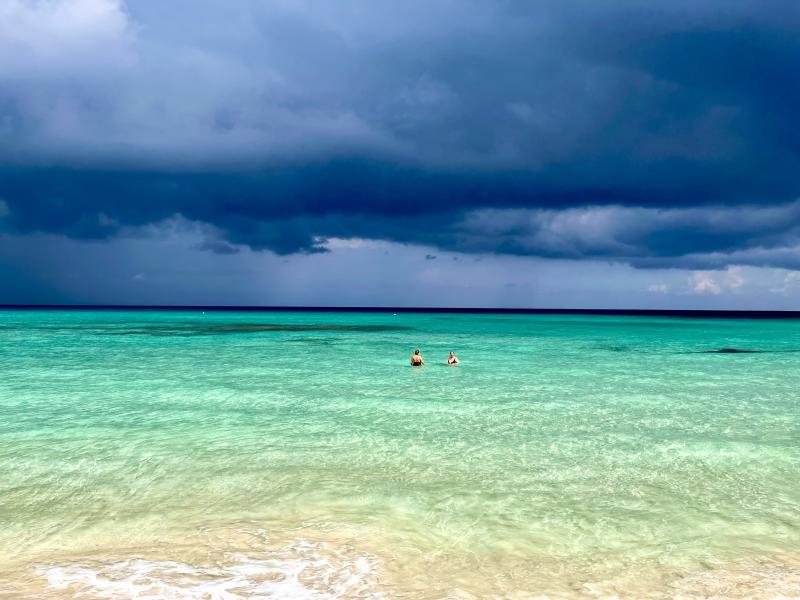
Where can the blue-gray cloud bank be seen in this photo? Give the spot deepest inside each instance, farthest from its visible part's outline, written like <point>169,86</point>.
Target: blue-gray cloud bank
<point>658,133</point>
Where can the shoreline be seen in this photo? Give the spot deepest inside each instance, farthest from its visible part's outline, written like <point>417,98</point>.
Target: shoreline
<point>246,560</point>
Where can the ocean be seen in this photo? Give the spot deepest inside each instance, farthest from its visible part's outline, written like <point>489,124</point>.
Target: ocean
<point>225,455</point>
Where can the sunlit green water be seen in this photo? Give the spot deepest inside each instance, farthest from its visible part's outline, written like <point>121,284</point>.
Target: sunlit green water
<point>226,455</point>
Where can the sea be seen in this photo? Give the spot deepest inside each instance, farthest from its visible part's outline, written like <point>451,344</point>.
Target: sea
<point>255,454</point>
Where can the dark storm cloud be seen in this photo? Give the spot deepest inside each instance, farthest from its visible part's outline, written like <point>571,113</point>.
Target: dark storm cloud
<point>652,133</point>
<point>697,237</point>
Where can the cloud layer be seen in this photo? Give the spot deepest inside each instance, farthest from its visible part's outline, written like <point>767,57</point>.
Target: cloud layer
<point>658,134</point>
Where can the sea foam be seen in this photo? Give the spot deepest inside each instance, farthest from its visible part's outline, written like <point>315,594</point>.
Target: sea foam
<point>306,570</point>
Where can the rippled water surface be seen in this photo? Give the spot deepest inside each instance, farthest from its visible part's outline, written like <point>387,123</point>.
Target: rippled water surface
<point>291,455</point>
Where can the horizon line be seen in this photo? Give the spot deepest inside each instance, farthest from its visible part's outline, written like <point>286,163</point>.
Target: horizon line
<point>656,312</point>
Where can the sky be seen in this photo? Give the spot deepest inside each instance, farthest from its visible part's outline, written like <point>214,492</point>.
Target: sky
<point>577,154</point>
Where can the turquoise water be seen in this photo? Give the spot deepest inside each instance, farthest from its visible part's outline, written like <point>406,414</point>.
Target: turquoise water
<point>286,455</point>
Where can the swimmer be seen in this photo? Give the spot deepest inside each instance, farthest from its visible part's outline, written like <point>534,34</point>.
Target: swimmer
<point>452,359</point>
<point>416,360</point>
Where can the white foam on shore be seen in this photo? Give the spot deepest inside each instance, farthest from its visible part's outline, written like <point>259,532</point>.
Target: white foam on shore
<point>300,571</point>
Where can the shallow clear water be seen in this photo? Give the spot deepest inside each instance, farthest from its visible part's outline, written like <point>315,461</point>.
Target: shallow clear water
<point>285,455</point>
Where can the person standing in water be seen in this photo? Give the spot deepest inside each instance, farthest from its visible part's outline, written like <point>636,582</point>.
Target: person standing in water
<point>452,359</point>
<point>416,360</point>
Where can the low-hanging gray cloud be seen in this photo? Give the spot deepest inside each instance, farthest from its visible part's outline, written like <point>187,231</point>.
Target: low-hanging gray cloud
<point>699,237</point>
<point>657,133</point>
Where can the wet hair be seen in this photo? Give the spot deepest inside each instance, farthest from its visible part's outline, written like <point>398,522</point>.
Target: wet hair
<point>416,351</point>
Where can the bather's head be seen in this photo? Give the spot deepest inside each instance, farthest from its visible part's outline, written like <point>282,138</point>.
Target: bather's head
<point>416,352</point>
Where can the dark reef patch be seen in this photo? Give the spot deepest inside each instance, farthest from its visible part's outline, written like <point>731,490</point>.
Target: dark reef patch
<point>223,329</point>
<point>610,348</point>
<point>732,351</point>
